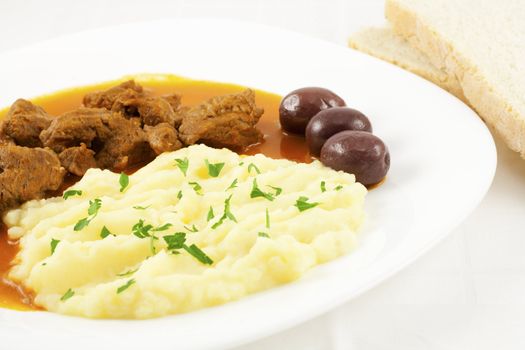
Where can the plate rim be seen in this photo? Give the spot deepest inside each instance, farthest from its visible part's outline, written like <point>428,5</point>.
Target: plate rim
<point>380,278</point>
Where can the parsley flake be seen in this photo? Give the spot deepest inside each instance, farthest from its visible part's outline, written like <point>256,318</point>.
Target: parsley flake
<point>196,187</point>
<point>183,165</point>
<point>302,204</point>
<point>254,167</point>
<point>263,234</point>
<point>127,273</point>
<point>198,254</point>
<point>175,241</point>
<point>277,190</point>
<point>140,230</point>
<point>105,232</point>
<point>338,187</point>
<point>179,195</point>
<point>71,193</point>
<point>125,286</point>
<point>81,224</point>
<point>211,215</point>
<point>138,207</point>
<point>163,227</point>
<point>54,243</point>
<point>214,169</point>
<point>192,228</point>
<point>257,192</point>
<point>323,186</point>
<point>226,215</point>
<point>123,181</point>
<point>68,294</point>
<point>267,218</point>
<point>94,206</point>
<point>232,185</point>
<point>152,240</point>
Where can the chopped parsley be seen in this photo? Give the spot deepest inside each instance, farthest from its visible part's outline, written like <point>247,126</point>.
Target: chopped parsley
<point>68,294</point>
<point>196,187</point>
<point>254,167</point>
<point>94,206</point>
<point>143,231</point>
<point>138,207</point>
<point>257,192</point>
<point>214,169</point>
<point>226,215</point>
<point>267,218</point>
<point>127,273</point>
<point>163,227</point>
<point>338,187</point>
<point>54,243</point>
<point>148,231</point>
<point>179,195</point>
<point>105,232</point>
<point>125,286</point>
<point>71,193</point>
<point>232,185</point>
<point>211,215</point>
<point>140,230</point>
<point>123,181</point>
<point>81,224</point>
<point>323,186</point>
<point>302,204</point>
<point>241,163</point>
<point>278,190</point>
<point>183,165</point>
<point>192,228</point>
<point>263,234</point>
<point>198,254</point>
<point>177,241</point>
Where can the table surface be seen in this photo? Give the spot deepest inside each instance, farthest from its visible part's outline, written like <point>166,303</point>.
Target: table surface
<point>467,293</point>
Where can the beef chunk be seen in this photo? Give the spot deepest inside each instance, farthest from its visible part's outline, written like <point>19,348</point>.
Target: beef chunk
<point>77,160</point>
<point>84,125</point>
<point>162,138</point>
<point>27,173</point>
<point>130,99</point>
<point>5,140</point>
<point>126,145</point>
<point>223,121</point>
<point>175,102</point>
<point>117,141</point>
<point>24,122</point>
<point>117,94</point>
<point>155,110</point>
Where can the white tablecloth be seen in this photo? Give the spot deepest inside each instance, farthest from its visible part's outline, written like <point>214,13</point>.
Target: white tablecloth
<point>467,293</point>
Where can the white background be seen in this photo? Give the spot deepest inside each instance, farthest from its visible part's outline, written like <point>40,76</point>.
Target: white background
<point>467,293</point>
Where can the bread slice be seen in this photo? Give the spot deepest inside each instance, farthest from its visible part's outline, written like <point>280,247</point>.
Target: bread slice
<point>482,44</point>
<point>384,44</point>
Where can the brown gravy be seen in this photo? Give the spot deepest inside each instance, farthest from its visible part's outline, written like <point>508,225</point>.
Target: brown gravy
<point>275,145</point>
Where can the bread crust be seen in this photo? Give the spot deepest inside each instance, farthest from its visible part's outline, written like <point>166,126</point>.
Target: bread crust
<point>492,107</point>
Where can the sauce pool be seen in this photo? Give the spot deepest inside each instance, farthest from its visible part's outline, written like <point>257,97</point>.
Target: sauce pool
<point>276,145</point>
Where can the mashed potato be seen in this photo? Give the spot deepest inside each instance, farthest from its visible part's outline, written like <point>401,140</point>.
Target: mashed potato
<point>259,223</point>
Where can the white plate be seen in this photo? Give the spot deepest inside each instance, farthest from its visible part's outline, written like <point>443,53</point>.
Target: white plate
<point>443,161</point>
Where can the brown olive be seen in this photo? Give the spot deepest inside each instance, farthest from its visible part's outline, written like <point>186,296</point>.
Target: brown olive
<point>331,121</point>
<point>299,106</point>
<point>357,152</point>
